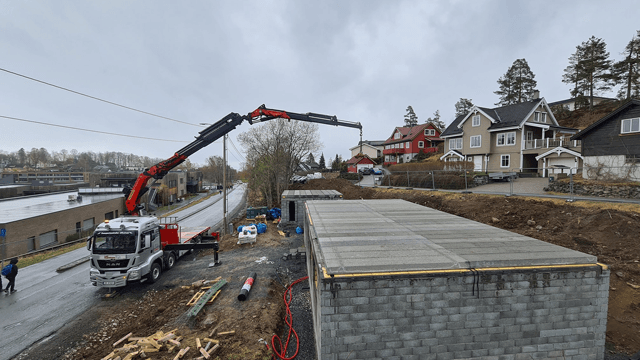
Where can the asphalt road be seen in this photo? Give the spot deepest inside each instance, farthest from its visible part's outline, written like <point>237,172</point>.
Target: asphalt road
<point>46,300</point>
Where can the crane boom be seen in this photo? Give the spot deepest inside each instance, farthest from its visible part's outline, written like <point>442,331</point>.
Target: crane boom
<point>213,133</point>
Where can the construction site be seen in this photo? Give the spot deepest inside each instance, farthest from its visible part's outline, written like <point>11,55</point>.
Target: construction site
<point>393,274</point>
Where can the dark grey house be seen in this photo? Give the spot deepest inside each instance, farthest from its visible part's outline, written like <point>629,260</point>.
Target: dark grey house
<point>611,145</point>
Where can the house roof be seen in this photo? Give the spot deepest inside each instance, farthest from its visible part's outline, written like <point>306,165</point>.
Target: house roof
<point>411,132</point>
<point>558,151</point>
<point>452,152</point>
<point>502,117</point>
<point>358,158</point>
<point>368,143</point>
<point>628,103</point>
<point>566,101</point>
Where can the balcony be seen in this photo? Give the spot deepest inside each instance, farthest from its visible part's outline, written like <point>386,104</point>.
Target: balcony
<point>550,143</point>
<point>394,151</point>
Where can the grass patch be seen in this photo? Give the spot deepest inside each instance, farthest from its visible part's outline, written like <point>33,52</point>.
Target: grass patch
<point>34,259</point>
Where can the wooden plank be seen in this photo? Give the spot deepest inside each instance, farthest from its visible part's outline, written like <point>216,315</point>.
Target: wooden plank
<point>195,298</point>
<point>204,353</point>
<point>203,299</point>
<point>122,339</point>
<point>198,344</point>
<point>212,340</point>
<point>232,332</point>
<point>109,356</point>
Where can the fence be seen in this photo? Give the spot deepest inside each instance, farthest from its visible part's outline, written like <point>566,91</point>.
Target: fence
<point>615,182</point>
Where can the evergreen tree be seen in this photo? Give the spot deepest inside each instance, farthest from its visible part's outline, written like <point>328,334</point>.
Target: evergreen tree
<point>463,106</point>
<point>589,69</point>
<point>321,162</point>
<point>626,72</point>
<point>436,121</point>
<point>517,84</point>
<point>410,119</point>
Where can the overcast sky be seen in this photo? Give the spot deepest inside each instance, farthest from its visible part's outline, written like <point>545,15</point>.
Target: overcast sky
<point>196,61</point>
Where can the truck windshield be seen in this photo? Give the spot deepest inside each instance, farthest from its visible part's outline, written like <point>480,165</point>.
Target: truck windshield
<point>115,242</point>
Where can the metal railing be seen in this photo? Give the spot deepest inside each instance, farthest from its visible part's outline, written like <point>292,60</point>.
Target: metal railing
<point>551,143</point>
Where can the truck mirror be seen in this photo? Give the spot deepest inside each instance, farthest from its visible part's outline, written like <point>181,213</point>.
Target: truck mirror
<point>89,242</point>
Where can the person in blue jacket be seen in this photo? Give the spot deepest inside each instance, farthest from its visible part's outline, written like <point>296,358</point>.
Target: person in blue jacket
<point>12,276</point>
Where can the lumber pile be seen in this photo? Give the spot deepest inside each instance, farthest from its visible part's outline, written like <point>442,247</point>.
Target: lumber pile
<point>131,347</point>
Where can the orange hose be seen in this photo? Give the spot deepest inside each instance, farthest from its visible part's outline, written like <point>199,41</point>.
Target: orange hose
<point>289,320</point>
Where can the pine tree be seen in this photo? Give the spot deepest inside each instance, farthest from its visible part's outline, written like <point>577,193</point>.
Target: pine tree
<point>591,66</point>
<point>410,119</point>
<point>463,106</point>
<point>321,162</point>
<point>573,75</point>
<point>626,72</point>
<point>517,85</point>
<point>436,120</point>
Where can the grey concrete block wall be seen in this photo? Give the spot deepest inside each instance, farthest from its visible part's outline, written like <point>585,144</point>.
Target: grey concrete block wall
<point>298,197</point>
<point>544,313</point>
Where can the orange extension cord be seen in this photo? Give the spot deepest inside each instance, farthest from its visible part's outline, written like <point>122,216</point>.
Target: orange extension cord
<point>289,320</point>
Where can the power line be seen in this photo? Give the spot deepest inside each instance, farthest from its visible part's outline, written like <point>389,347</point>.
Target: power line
<point>95,98</point>
<point>88,130</point>
<point>239,153</point>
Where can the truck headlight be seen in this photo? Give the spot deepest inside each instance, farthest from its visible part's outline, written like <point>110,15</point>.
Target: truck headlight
<point>134,275</point>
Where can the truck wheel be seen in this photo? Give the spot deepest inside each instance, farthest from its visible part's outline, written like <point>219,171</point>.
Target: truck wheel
<point>154,274</point>
<point>171,260</point>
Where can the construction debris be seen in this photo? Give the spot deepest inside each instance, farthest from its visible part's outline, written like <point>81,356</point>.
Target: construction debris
<point>202,300</point>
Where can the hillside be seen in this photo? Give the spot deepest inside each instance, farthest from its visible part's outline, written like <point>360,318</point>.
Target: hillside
<point>581,118</point>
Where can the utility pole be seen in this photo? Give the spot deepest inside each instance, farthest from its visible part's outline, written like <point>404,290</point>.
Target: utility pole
<point>224,185</point>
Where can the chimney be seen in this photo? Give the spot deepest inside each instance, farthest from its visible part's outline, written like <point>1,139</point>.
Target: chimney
<point>536,94</point>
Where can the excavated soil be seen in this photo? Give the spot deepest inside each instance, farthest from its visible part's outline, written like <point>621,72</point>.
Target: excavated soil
<point>142,309</point>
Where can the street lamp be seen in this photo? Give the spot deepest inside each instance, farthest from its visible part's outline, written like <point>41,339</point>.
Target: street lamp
<point>224,181</point>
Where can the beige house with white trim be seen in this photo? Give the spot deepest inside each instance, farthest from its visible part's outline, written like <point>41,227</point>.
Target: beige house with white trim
<point>513,138</point>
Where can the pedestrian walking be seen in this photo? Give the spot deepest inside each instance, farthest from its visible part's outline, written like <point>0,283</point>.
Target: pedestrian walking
<point>12,276</point>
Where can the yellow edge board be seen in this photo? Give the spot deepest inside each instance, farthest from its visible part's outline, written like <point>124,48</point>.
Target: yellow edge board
<point>453,271</point>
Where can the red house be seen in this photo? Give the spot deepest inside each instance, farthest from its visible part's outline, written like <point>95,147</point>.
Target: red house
<point>358,162</point>
<point>405,143</point>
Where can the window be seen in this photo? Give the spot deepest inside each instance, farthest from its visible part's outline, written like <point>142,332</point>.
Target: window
<point>476,141</point>
<point>630,126</point>
<point>407,145</point>
<point>420,144</point>
<point>506,139</point>
<point>455,144</point>
<point>475,120</point>
<point>429,132</point>
<point>386,158</point>
<point>632,159</point>
<point>397,135</point>
<point>505,160</point>
<point>540,117</point>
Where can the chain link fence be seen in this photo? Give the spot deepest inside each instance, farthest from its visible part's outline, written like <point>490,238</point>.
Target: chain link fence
<point>616,182</point>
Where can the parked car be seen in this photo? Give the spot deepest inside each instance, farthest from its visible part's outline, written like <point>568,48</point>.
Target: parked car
<point>377,171</point>
<point>366,171</point>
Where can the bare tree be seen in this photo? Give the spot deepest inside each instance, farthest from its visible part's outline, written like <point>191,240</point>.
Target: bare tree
<point>274,151</point>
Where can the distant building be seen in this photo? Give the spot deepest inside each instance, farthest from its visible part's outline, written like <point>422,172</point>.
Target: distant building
<point>372,148</point>
<point>570,104</point>
<point>358,162</point>
<point>405,143</point>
